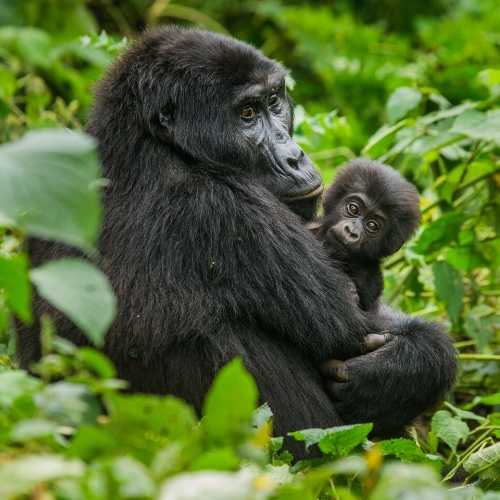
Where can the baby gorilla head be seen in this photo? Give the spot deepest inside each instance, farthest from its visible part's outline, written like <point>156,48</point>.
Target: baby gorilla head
<point>369,211</point>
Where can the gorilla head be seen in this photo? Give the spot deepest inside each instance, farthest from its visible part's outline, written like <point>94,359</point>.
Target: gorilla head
<point>220,105</point>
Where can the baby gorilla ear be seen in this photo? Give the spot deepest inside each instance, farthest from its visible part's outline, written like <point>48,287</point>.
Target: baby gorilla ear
<point>314,227</point>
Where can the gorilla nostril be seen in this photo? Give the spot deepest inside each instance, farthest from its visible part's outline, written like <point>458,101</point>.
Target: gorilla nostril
<point>293,162</point>
<point>351,234</point>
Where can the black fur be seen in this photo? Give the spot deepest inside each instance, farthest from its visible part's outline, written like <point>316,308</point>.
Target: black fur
<point>208,263</point>
<point>390,201</point>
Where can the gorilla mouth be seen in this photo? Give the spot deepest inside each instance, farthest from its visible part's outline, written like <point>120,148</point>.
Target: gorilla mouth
<point>314,193</point>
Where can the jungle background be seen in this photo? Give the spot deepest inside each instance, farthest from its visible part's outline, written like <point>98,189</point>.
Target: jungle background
<point>414,84</point>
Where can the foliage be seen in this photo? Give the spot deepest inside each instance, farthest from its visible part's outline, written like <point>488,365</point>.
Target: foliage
<point>420,93</point>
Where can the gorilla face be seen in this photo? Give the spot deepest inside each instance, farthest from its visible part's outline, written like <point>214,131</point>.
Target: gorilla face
<point>223,106</point>
<point>262,119</point>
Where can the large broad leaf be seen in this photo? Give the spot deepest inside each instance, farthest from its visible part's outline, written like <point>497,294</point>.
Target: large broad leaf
<point>449,288</point>
<point>81,292</point>
<point>401,102</point>
<point>337,441</point>
<point>14,282</point>
<point>449,429</point>
<point>478,125</point>
<point>439,233</point>
<point>230,405</point>
<point>49,186</point>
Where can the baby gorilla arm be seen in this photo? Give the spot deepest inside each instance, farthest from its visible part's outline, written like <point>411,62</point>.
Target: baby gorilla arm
<point>390,386</point>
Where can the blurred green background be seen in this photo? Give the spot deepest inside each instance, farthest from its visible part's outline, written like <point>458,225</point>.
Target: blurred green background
<point>415,84</point>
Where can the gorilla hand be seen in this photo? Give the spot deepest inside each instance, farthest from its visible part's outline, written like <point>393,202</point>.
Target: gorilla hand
<point>405,373</point>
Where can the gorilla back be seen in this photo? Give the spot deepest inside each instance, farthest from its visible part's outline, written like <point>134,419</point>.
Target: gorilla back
<point>208,263</point>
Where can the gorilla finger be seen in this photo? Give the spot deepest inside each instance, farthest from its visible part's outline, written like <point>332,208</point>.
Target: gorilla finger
<point>375,340</point>
<point>335,369</point>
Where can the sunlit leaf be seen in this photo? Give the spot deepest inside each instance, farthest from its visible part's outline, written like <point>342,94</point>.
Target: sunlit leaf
<point>401,102</point>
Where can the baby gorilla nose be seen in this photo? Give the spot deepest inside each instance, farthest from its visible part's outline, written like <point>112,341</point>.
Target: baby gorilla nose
<point>351,233</point>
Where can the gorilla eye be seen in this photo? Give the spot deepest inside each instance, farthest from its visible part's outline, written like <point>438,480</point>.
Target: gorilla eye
<point>274,100</point>
<point>352,208</point>
<point>248,113</point>
<point>373,226</point>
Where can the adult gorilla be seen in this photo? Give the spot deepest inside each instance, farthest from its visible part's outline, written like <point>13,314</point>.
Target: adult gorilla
<point>208,263</point>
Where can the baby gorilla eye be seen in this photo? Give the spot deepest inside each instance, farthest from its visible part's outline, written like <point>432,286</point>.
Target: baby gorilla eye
<point>352,208</point>
<point>248,113</point>
<point>373,226</point>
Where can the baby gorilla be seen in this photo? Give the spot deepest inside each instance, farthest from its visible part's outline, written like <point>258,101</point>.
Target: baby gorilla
<point>369,212</point>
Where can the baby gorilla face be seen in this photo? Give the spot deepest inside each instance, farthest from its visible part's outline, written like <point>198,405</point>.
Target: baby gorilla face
<point>357,223</point>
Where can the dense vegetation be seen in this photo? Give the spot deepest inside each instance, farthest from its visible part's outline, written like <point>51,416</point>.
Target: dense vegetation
<point>414,84</point>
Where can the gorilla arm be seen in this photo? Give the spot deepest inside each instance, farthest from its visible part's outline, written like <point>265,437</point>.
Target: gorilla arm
<point>393,384</point>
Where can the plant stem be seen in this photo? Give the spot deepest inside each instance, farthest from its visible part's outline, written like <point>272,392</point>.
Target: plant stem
<point>479,357</point>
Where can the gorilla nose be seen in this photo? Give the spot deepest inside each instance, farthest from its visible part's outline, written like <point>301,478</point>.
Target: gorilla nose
<point>351,233</point>
<point>295,158</point>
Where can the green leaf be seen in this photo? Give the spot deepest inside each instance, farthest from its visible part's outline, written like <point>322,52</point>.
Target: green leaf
<point>131,478</point>
<point>449,288</point>
<point>15,283</point>
<point>404,449</point>
<point>80,291</point>
<point>483,459</point>
<point>49,187</point>
<point>465,258</point>
<point>34,428</point>
<point>68,404</point>
<point>405,481</point>
<point>96,361</point>
<point>478,125</point>
<point>449,429</point>
<point>439,233</point>
<point>230,404</point>
<point>464,414</point>
<point>402,101</point>
<point>480,328</point>
<point>491,400</point>
<point>261,415</point>
<point>247,483</point>
<point>337,441</point>
<point>14,384</point>
<point>143,424</point>
<point>20,476</point>
<point>310,436</point>
<point>92,442</point>
<point>341,440</point>
<point>382,139</point>
<point>216,459</point>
